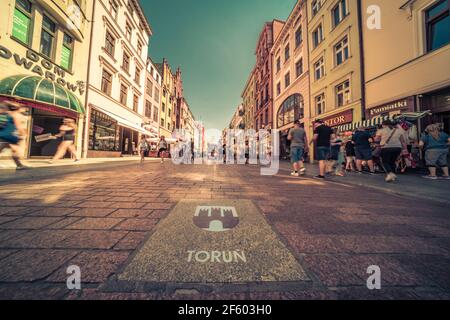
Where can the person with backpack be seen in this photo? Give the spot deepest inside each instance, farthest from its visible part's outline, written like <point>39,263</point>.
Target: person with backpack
<point>11,131</point>
<point>392,142</point>
<point>435,143</point>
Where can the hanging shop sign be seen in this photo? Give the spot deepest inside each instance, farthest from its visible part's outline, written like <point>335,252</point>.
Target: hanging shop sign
<point>406,104</point>
<point>43,67</point>
<point>339,119</point>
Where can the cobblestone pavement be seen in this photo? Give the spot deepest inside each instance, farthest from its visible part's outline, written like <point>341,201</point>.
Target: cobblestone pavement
<point>100,219</point>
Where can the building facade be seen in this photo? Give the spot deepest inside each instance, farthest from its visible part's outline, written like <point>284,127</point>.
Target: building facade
<point>168,101</point>
<point>336,66</point>
<point>248,101</point>
<point>263,74</point>
<point>44,47</point>
<point>291,75</point>
<point>409,69</point>
<point>152,99</point>
<point>116,81</point>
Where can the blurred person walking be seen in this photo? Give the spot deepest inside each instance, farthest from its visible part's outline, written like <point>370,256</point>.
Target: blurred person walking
<point>67,135</point>
<point>12,131</point>
<point>144,147</point>
<point>162,148</point>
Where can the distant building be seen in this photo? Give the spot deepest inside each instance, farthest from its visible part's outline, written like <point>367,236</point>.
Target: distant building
<point>248,101</point>
<point>263,74</point>
<point>291,75</point>
<point>152,99</point>
<point>168,101</point>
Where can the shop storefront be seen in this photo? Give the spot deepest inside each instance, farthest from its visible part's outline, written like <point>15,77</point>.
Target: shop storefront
<point>438,103</point>
<point>392,109</point>
<point>111,135</point>
<point>46,104</point>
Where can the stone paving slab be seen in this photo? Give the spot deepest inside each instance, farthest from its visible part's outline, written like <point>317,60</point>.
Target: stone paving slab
<point>181,252</point>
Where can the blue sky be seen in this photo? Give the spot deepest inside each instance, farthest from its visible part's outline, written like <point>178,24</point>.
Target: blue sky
<point>214,43</point>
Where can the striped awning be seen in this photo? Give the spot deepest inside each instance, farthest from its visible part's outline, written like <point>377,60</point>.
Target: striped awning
<point>413,116</point>
<point>362,124</point>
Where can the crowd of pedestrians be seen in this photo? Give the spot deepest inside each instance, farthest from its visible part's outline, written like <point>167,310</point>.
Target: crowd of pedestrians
<point>386,149</point>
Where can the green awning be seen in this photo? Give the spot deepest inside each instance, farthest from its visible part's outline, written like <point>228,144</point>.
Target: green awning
<point>41,90</point>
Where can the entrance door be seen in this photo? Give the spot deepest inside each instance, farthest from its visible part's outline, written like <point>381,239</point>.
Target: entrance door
<point>44,124</point>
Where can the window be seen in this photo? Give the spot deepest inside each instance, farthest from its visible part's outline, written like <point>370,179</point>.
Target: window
<point>155,114</point>
<point>164,93</point>
<point>287,80</point>
<point>278,88</point>
<point>317,36</point>
<point>67,52</point>
<point>123,94</point>
<point>319,69</point>
<point>341,52</point>
<point>278,64</point>
<point>22,21</point>
<point>149,88</point>
<point>157,94</point>
<point>113,8</point>
<point>163,107</point>
<point>339,12</point>
<point>137,75</point>
<point>287,53</point>
<point>106,82</point>
<point>148,109</point>
<point>298,37</point>
<point>135,103</point>
<point>316,5</point>
<point>343,94</point>
<point>266,116</point>
<point>299,68</point>
<point>162,122</point>
<point>139,48</point>
<point>169,112</point>
<point>128,31</point>
<point>47,37</point>
<point>110,44</point>
<point>437,20</point>
<point>320,104</point>
<point>290,110</point>
<point>126,62</point>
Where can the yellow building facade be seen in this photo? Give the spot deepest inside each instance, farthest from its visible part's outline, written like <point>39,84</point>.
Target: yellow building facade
<point>407,58</point>
<point>335,64</point>
<point>44,49</point>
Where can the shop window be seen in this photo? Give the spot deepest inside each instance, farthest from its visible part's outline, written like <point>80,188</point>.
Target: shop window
<point>67,52</point>
<point>343,94</point>
<point>341,51</point>
<point>106,82</point>
<point>290,110</point>
<point>103,132</point>
<point>437,20</point>
<point>48,37</point>
<point>22,21</point>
